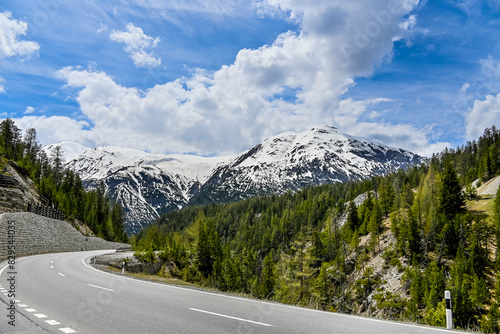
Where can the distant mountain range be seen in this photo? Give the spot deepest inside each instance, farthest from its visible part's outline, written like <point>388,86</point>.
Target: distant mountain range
<point>148,185</point>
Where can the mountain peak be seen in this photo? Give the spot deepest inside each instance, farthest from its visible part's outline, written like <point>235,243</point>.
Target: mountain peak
<point>71,150</point>
<point>148,185</point>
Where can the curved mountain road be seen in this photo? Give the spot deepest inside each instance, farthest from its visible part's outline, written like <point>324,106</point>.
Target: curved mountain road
<point>62,293</point>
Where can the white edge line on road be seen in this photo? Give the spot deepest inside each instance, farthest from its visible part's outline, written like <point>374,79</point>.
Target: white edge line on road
<point>230,317</point>
<point>252,300</point>
<point>272,304</point>
<point>40,315</point>
<point>100,287</point>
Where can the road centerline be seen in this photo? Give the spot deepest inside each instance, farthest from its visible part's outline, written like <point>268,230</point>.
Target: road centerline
<point>230,317</point>
<point>100,287</point>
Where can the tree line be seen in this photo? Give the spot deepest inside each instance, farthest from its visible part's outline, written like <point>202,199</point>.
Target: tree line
<point>60,185</point>
<point>305,248</point>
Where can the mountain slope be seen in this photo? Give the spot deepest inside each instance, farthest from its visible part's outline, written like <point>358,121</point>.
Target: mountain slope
<point>148,185</point>
<point>291,161</point>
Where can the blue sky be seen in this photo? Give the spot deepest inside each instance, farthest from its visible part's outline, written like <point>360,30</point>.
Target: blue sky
<point>216,77</point>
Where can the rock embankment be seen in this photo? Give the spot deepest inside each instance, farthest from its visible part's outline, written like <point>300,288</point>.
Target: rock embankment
<point>490,187</point>
<point>32,234</point>
<point>132,264</point>
<point>16,190</point>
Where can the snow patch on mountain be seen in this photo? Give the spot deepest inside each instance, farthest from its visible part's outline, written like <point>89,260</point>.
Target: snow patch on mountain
<point>71,150</point>
<point>148,185</point>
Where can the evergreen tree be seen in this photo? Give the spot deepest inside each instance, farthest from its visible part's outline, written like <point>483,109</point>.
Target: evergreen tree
<point>451,198</point>
<point>352,217</point>
<point>268,277</point>
<point>11,140</point>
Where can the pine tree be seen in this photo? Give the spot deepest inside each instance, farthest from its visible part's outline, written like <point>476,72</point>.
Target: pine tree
<point>11,140</point>
<point>205,262</point>
<point>268,277</point>
<point>451,198</point>
<point>352,217</point>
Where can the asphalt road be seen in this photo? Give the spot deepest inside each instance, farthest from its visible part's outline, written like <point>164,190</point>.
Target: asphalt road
<point>62,293</point>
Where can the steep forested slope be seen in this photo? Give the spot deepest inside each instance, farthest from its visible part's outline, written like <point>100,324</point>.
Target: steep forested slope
<point>412,237</point>
<point>59,186</point>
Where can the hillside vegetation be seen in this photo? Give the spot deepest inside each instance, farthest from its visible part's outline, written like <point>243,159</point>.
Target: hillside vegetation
<point>391,253</point>
<point>61,187</point>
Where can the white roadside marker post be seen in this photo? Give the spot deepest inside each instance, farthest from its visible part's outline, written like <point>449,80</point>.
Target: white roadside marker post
<point>123,268</point>
<point>449,314</point>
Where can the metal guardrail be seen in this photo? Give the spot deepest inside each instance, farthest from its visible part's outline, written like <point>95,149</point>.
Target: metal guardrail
<point>46,211</point>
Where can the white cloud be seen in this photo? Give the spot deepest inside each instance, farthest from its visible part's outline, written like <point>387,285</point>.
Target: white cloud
<point>136,43</point>
<point>2,87</point>
<point>102,28</point>
<point>229,110</point>
<point>10,45</point>
<point>484,114</point>
<point>348,118</point>
<point>465,86</point>
<point>56,129</point>
<point>10,30</point>
<point>29,110</point>
<point>482,94</point>
<point>216,10</point>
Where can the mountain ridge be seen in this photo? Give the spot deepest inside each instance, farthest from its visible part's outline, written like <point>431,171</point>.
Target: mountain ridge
<point>148,185</point>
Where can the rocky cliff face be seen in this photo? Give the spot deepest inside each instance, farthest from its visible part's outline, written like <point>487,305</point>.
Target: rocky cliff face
<point>16,190</point>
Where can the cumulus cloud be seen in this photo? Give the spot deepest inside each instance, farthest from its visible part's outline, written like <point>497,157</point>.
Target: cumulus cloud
<point>56,129</point>
<point>484,114</point>
<point>352,116</point>
<point>136,43</point>
<point>483,95</point>
<point>29,110</point>
<point>2,87</point>
<point>295,83</point>
<point>10,45</point>
<point>10,30</point>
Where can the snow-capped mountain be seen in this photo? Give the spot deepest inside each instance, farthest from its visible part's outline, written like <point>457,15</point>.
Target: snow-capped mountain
<point>148,185</point>
<point>291,161</point>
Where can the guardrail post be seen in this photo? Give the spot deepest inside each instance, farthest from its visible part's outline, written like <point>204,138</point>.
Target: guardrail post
<point>449,314</point>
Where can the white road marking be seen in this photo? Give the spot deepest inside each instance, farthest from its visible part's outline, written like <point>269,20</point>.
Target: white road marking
<point>52,267</point>
<point>67,330</point>
<point>31,310</point>
<point>234,318</point>
<point>100,287</point>
<point>22,305</point>
<point>52,322</point>
<point>40,315</point>
<point>62,274</point>
<point>262,302</point>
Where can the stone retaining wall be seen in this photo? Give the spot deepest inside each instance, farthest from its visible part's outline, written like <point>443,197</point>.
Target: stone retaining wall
<point>32,234</point>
